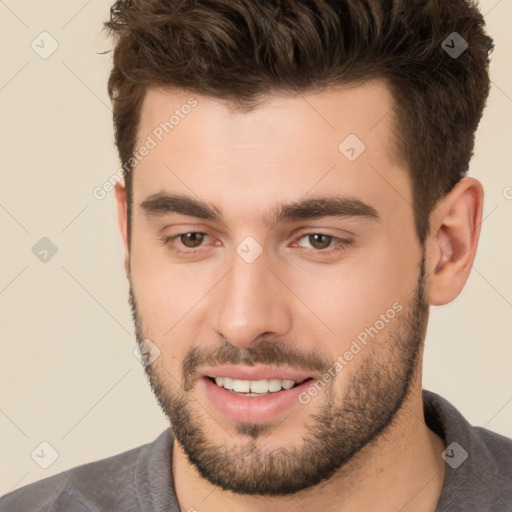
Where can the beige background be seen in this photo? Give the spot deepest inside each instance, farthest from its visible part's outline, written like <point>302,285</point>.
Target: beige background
<point>68,373</point>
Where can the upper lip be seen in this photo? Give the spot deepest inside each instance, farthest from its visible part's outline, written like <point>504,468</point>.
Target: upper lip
<point>254,373</point>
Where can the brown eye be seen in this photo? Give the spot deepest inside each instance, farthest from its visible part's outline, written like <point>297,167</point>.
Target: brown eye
<point>319,241</point>
<point>192,240</point>
<point>320,244</point>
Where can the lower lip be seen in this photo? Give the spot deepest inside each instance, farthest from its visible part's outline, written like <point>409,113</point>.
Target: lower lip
<point>259,409</point>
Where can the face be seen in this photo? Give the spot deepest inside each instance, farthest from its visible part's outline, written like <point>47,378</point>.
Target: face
<point>274,264</point>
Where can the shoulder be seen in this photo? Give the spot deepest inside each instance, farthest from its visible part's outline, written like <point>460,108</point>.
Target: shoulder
<point>484,480</point>
<point>478,461</point>
<point>92,487</point>
<point>497,450</point>
<point>496,443</point>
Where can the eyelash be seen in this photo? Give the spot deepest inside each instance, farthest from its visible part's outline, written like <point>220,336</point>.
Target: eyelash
<point>342,244</point>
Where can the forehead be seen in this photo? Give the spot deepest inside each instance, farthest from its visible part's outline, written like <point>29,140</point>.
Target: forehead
<point>314,114</point>
<point>336,140</point>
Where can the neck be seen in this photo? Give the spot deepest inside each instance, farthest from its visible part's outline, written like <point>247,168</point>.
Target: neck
<point>402,470</point>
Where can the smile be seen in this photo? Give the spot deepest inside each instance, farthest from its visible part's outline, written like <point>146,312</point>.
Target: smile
<point>255,388</point>
<point>252,394</point>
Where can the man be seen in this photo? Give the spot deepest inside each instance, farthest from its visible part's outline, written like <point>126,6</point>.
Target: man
<point>295,198</point>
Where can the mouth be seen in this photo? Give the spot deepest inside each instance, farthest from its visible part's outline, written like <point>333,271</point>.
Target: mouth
<point>253,394</point>
<point>256,388</point>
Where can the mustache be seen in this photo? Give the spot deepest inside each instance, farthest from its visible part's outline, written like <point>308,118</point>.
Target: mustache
<point>272,353</point>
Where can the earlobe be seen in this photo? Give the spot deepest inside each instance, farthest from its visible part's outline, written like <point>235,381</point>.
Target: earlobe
<point>452,244</point>
<point>122,219</point>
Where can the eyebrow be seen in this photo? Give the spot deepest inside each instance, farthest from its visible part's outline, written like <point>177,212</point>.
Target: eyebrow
<point>161,204</point>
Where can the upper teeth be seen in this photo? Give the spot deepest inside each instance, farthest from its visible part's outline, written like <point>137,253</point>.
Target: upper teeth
<point>254,386</point>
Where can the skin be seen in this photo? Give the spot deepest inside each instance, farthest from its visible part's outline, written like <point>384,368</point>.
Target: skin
<point>245,164</point>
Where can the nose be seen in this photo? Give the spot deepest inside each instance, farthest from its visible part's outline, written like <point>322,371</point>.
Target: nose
<point>251,302</point>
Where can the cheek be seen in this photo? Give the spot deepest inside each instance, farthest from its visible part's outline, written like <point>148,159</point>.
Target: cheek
<point>351,297</point>
<point>171,299</point>
<point>157,278</point>
<point>161,290</point>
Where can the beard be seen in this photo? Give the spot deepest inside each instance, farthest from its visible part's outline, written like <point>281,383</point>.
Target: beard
<point>341,428</point>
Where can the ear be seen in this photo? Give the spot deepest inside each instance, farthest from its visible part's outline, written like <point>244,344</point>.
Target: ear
<point>122,219</point>
<point>453,240</point>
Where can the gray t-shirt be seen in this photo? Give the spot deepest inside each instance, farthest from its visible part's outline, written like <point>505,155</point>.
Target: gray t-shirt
<point>478,474</point>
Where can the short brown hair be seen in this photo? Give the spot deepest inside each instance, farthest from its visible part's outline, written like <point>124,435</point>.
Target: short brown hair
<point>242,50</point>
